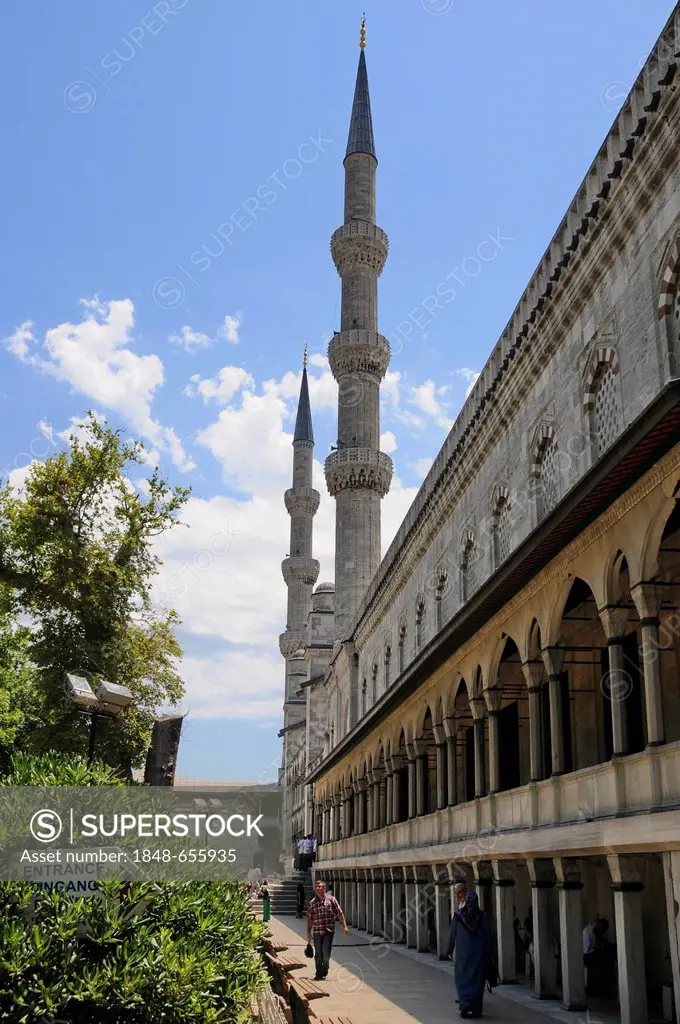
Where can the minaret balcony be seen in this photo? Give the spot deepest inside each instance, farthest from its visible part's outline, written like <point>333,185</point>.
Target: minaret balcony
<point>302,501</point>
<point>359,351</point>
<point>291,642</point>
<point>358,469</point>
<point>359,244</point>
<point>300,570</point>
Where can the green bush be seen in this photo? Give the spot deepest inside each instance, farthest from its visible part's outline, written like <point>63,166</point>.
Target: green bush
<point>143,953</point>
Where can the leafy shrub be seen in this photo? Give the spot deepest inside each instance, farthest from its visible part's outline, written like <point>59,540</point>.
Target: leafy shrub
<point>141,953</point>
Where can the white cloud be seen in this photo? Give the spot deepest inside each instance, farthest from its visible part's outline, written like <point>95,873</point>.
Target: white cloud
<point>94,357</point>
<point>19,342</point>
<point>428,398</point>
<point>421,467</point>
<point>230,328</point>
<point>223,387</point>
<point>471,376</point>
<point>388,442</point>
<point>235,684</point>
<point>191,340</point>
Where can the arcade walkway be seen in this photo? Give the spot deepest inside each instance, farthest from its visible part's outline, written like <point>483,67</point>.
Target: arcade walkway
<point>374,982</point>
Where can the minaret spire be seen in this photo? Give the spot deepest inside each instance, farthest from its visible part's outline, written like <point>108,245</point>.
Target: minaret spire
<point>358,474</point>
<point>303,420</point>
<point>360,138</point>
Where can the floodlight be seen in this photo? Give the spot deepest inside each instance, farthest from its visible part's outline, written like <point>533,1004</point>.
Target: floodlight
<point>114,696</point>
<point>80,691</point>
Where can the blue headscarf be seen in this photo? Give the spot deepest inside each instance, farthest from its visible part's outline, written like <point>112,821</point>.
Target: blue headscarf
<point>470,914</point>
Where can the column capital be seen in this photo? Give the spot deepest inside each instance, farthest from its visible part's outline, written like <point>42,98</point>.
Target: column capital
<point>482,872</point>
<point>614,620</point>
<point>553,659</point>
<point>647,596</point>
<point>541,873</point>
<point>533,674</point>
<point>478,708</point>
<point>625,873</point>
<point>439,735</point>
<point>451,727</point>
<point>502,873</point>
<point>416,749</point>
<point>493,696</point>
<point>568,872</point>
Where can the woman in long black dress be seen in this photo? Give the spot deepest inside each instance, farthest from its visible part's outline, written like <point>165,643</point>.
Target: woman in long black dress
<point>470,937</point>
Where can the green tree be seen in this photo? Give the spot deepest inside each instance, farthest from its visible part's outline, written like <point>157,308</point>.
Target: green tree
<point>20,698</point>
<point>76,555</point>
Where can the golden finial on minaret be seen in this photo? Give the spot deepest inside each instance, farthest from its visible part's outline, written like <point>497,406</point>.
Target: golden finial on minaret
<point>362,38</point>
<point>304,359</point>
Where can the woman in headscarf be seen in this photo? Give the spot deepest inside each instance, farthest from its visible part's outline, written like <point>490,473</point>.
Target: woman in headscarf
<point>266,901</point>
<point>470,937</point>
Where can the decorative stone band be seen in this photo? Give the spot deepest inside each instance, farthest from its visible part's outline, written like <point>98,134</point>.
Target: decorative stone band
<point>359,351</point>
<point>358,469</point>
<point>302,501</point>
<point>359,244</point>
<point>669,281</point>
<point>291,641</point>
<point>300,570</point>
<point>603,358</point>
<point>544,436</point>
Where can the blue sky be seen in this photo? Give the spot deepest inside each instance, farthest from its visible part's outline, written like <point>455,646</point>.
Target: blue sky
<point>172,176</point>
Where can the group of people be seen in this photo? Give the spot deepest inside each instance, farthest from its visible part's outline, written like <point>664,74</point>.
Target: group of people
<point>306,853</point>
<point>469,939</point>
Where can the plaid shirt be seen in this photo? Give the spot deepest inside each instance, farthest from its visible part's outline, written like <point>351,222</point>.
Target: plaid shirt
<point>323,914</point>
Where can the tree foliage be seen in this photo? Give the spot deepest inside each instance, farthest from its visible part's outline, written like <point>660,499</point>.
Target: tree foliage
<point>77,560</point>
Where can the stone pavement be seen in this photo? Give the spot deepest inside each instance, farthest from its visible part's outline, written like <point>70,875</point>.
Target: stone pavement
<point>374,982</point>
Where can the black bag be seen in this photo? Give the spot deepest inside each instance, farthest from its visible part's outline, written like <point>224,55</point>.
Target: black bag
<point>491,972</point>
<point>309,952</point>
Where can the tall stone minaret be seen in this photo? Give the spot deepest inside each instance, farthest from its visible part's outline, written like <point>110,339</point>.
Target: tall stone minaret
<point>300,570</point>
<point>358,474</point>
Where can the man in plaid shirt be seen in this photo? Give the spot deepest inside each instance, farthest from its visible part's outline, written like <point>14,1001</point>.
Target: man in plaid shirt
<point>324,911</point>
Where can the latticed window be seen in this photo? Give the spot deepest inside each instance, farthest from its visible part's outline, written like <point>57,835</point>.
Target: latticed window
<point>420,616</point>
<point>442,586</point>
<point>402,648</point>
<point>388,659</point>
<point>548,480</point>
<point>502,536</point>
<point>364,688</point>
<point>374,682</point>
<point>469,571</point>
<point>606,409</point>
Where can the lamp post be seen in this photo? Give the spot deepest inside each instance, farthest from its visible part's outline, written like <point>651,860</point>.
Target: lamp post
<point>107,702</point>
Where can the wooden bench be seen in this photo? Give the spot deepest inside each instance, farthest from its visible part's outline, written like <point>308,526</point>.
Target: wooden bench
<point>289,962</point>
<point>333,1020</point>
<point>307,989</point>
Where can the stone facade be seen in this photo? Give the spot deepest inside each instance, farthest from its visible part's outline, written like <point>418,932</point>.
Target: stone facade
<point>501,704</point>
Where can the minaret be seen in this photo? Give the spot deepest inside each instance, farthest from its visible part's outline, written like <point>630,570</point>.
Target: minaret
<point>300,570</point>
<point>358,474</point>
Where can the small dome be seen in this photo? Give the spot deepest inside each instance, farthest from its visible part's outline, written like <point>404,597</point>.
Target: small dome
<point>325,588</point>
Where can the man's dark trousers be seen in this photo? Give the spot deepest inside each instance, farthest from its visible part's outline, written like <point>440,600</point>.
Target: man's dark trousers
<point>323,944</point>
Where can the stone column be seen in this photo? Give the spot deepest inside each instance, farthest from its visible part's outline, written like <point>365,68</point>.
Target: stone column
<point>411,782</point>
<point>421,913</point>
<point>388,798</point>
<point>542,879</point>
<point>370,804</point>
<point>617,690</point>
<point>394,761</point>
<point>533,673</point>
<point>647,598</point>
<point>361,901</point>
<point>441,909</point>
<point>671,871</point>
<point>477,707</point>
<point>505,933</point>
<point>493,696</point>
<point>451,729</point>
<point>630,949</point>
<point>553,659</point>
<point>377,903</point>
<point>411,904</point>
<point>397,929</point>
<point>483,882</point>
<point>569,886</point>
<point>420,785</point>
<point>369,902</point>
<point>361,806</point>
